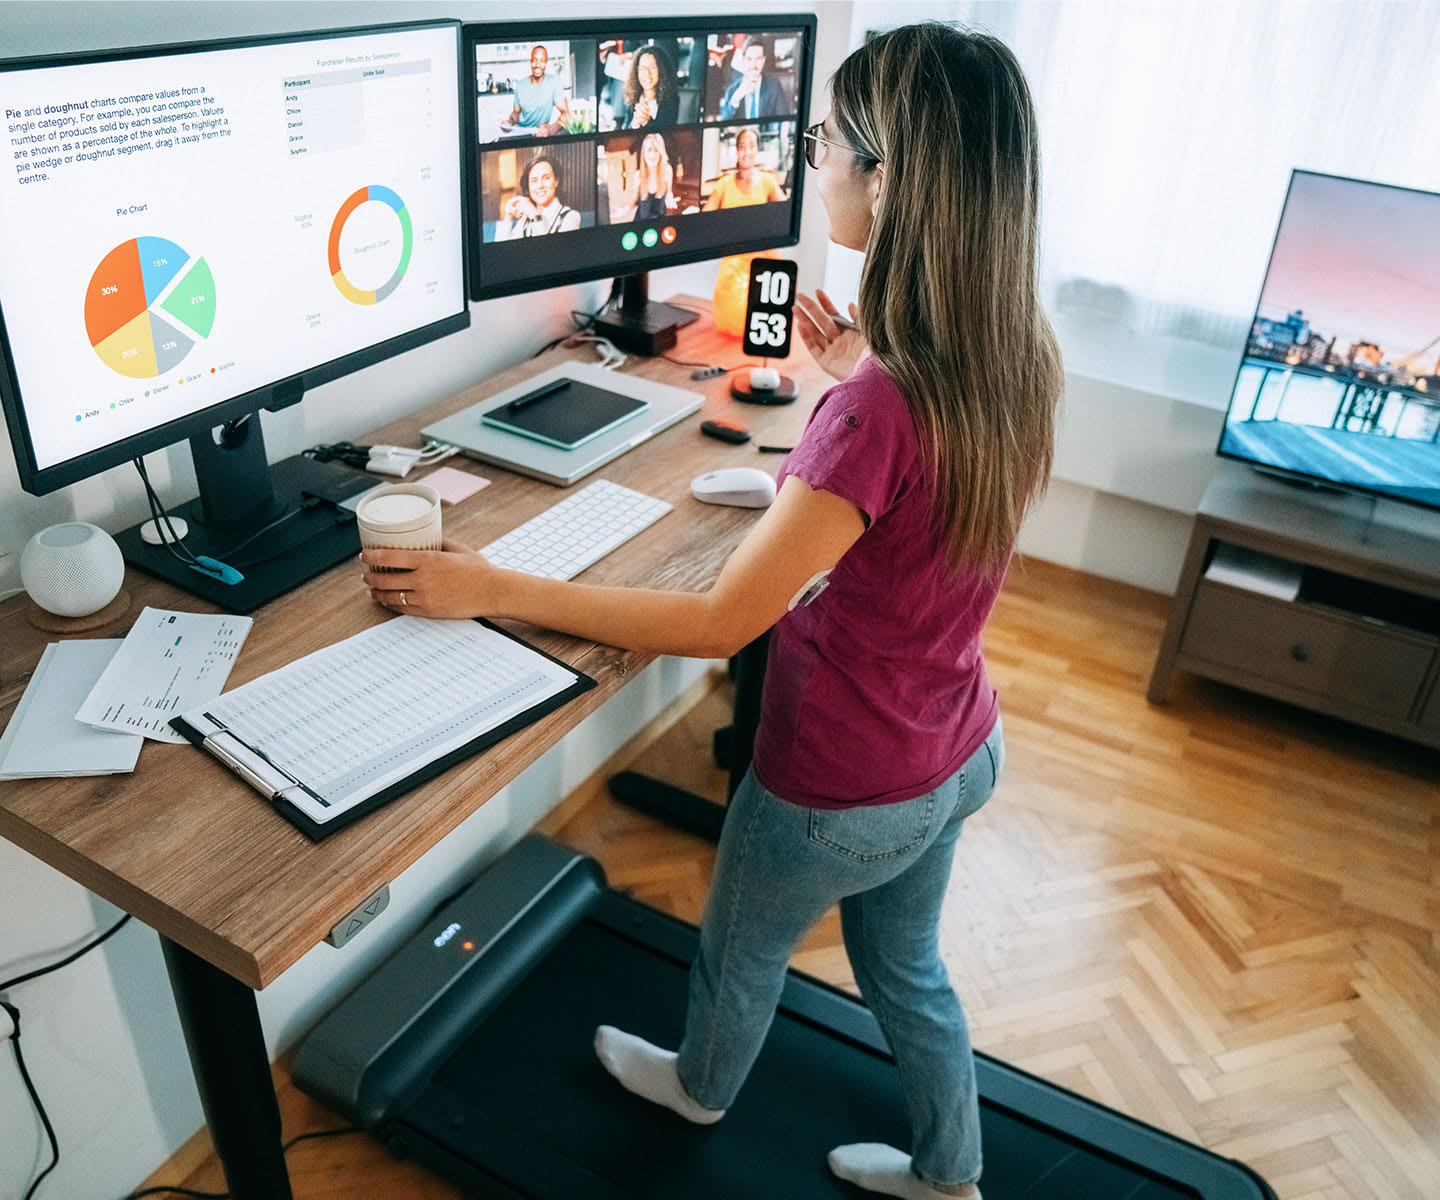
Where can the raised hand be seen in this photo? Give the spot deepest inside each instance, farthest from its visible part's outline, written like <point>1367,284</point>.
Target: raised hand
<point>835,344</point>
<point>521,208</point>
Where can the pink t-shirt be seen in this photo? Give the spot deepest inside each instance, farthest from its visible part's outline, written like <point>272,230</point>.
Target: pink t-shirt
<point>875,692</point>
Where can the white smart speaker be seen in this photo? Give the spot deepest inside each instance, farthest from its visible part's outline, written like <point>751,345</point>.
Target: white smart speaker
<point>73,573</point>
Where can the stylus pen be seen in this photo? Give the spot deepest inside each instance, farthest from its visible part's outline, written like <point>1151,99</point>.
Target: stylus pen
<point>558,386</point>
<point>774,449</point>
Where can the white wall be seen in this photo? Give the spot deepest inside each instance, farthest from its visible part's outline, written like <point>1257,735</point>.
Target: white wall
<point>101,1037</point>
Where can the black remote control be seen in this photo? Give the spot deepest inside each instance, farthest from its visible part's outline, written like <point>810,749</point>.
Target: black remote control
<point>725,431</point>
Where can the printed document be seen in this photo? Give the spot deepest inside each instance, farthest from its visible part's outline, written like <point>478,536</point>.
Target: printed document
<point>346,722</point>
<point>170,661</point>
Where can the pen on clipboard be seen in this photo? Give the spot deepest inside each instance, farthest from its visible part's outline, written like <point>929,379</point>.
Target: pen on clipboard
<point>549,390</point>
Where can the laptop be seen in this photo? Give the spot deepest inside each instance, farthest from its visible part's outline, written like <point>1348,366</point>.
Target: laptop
<point>663,407</point>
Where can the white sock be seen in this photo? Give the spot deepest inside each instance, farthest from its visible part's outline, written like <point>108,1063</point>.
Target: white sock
<point>650,1072</point>
<point>881,1168</point>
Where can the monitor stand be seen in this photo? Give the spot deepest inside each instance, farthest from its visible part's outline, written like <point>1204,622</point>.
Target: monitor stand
<point>277,526</point>
<point>641,325</point>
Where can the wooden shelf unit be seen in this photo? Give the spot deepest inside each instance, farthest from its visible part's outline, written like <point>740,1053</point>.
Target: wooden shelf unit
<point>1359,639</point>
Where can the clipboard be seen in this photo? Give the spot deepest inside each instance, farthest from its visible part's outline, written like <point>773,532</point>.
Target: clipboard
<point>253,729</point>
<point>564,413</point>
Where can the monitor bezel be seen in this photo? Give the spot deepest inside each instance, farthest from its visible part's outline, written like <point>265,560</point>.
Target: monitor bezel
<point>1291,474</point>
<point>478,32</point>
<point>278,393</point>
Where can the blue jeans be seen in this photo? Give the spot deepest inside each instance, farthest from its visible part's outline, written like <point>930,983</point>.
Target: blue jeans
<point>780,868</point>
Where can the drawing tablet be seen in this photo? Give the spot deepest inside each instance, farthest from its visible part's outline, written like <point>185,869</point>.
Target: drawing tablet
<point>566,413</point>
<point>665,406</point>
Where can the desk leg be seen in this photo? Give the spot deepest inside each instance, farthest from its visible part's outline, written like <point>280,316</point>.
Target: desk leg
<point>232,1071</point>
<point>749,684</point>
<point>685,809</point>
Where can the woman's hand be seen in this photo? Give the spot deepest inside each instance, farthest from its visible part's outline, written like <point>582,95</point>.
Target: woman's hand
<point>646,110</point>
<point>521,208</point>
<point>453,581</point>
<point>835,347</point>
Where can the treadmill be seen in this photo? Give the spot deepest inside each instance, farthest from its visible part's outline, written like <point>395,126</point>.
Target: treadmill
<point>471,1051</point>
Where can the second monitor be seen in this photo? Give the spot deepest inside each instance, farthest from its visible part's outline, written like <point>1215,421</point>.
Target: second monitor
<point>608,148</point>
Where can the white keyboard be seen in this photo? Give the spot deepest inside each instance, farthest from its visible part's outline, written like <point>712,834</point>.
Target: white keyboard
<point>568,537</point>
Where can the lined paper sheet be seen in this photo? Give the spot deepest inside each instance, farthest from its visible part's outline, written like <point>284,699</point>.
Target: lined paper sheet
<point>350,720</point>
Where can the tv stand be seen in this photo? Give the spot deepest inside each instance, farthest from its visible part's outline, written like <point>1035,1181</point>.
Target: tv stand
<point>1307,600</point>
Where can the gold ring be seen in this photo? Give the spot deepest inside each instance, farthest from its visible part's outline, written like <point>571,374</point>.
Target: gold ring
<point>404,603</point>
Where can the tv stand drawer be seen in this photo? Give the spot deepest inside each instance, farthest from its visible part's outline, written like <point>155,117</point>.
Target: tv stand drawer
<point>1306,649</point>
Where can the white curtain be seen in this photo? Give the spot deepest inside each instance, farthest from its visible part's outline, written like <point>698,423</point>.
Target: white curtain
<point>1169,130</point>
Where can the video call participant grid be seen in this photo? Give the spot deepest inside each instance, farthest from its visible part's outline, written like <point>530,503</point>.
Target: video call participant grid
<point>658,160</point>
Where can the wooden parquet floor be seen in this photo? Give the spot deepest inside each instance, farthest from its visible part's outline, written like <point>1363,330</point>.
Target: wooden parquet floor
<point>1221,916</point>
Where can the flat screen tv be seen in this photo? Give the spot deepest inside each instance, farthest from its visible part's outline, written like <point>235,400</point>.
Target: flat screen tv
<point>1339,384</point>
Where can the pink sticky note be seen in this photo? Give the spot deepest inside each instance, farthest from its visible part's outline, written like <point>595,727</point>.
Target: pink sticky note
<point>454,486</point>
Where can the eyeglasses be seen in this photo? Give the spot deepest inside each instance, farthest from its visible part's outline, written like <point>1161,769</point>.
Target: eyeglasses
<point>814,155</point>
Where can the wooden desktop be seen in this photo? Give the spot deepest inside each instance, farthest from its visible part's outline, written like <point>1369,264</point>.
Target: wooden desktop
<point>237,894</point>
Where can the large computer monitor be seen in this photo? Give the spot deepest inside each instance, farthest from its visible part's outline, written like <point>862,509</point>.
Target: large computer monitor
<point>611,147</point>
<point>189,234</point>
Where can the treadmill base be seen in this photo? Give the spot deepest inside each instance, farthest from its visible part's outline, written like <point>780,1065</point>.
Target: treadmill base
<point>472,1051</point>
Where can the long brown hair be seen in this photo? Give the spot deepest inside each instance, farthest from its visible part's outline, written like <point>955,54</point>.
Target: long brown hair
<point>949,299</point>
<point>665,86</point>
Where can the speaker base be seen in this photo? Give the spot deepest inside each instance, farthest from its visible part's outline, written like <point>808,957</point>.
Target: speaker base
<point>48,622</point>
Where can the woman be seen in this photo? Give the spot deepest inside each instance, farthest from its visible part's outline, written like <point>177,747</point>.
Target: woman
<point>879,732</point>
<point>654,180</point>
<point>650,90</point>
<point>536,210</point>
<point>748,184</point>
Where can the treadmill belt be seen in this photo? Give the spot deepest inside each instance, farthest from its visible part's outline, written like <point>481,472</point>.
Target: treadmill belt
<point>525,1090</point>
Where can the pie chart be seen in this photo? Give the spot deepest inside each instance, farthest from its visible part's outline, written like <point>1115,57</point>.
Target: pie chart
<point>147,305</point>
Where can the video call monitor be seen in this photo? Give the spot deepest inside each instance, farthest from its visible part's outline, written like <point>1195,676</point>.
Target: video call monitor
<point>189,233</point>
<point>609,148</point>
<point>1339,383</point>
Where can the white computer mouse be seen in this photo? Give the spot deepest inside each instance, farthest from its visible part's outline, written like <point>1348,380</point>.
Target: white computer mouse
<point>744,487</point>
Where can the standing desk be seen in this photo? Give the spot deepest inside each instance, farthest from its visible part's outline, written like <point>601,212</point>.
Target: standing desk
<point>236,893</point>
